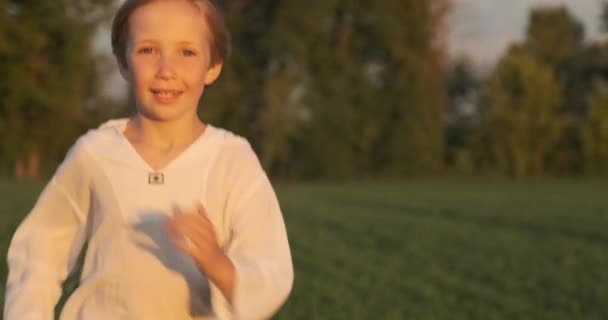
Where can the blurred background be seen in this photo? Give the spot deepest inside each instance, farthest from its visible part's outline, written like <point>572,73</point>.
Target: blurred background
<point>340,89</point>
<point>435,159</point>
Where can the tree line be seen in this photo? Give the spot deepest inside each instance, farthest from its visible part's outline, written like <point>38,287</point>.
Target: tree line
<point>335,89</point>
<point>543,110</point>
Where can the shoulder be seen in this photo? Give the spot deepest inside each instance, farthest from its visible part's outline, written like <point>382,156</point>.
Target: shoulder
<point>107,134</point>
<point>80,161</point>
<point>231,145</point>
<point>109,130</point>
<point>237,174</point>
<point>83,154</point>
<point>235,155</point>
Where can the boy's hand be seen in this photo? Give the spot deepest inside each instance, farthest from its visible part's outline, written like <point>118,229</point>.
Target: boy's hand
<point>194,235</point>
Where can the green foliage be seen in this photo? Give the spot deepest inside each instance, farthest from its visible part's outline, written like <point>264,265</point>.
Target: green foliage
<point>49,76</point>
<point>334,88</point>
<point>464,89</point>
<point>556,38</point>
<point>554,35</point>
<point>594,132</point>
<point>327,89</point>
<point>538,107</point>
<point>522,124</point>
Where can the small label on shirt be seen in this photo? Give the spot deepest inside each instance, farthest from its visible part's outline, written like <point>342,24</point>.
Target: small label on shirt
<point>156,178</point>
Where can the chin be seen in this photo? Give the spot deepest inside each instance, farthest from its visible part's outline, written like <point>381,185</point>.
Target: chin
<point>166,112</point>
<point>163,115</point>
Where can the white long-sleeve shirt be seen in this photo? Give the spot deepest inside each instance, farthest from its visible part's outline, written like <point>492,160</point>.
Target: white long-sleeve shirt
<point>104,192</point>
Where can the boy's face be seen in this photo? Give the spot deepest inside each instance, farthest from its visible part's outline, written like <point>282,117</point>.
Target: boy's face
<point>168,58</point>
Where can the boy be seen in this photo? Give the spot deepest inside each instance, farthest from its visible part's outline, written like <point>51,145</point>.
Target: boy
<point>181,220</point>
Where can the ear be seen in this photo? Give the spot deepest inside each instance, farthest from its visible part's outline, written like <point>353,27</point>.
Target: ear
<point>213,73</point>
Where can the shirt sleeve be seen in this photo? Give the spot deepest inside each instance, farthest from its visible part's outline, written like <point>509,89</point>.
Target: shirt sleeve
<point>258,245</point>
<point>46,244</point>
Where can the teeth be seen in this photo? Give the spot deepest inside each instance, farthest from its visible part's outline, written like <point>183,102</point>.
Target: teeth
<point>165,93</point>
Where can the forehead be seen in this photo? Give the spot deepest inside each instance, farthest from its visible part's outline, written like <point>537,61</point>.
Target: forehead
<point>163,20</point>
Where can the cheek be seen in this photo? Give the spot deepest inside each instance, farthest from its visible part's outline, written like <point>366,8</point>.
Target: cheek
<point>195,75</point>
<point>139,67</point>
<point>140,74</point>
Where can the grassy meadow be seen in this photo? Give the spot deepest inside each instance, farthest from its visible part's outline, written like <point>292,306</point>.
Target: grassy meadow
<point>432,249</point>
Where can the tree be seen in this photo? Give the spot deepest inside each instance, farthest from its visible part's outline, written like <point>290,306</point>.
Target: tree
<point>556,38</point>
<point>335,88</point>
<point>594,132</point>
<point>554,35</point>
<point>464,89</point>
<point>254,96</point>
<point>522,124</point>
<point>416,82</point>
<point>49,74</point>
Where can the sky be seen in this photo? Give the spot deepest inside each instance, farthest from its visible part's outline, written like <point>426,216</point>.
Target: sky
<point>481,29</point>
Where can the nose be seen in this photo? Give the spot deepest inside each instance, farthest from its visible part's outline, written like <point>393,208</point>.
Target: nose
<point>165,68</point>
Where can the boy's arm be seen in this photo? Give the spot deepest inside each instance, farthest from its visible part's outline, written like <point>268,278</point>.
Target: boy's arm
<point>46,244</point>
<point>258,246</point>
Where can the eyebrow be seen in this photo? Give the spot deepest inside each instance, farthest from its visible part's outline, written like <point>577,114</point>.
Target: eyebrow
<point>181,43</point>
<point>146,41</point>
<point>187,43</point>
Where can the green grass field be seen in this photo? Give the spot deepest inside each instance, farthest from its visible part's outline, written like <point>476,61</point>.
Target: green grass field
<point>433,249</point>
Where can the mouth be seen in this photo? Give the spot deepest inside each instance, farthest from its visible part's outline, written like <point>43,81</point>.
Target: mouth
<point>166,94</point>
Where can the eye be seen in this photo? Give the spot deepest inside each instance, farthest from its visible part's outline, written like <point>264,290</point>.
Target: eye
<point>189,53</point>
<point>146,50</point>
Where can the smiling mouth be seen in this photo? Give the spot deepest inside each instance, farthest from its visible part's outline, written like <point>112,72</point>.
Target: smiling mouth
<point>166,93</point>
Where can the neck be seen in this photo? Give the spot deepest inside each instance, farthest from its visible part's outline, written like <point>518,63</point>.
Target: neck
<point>164,134</point>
